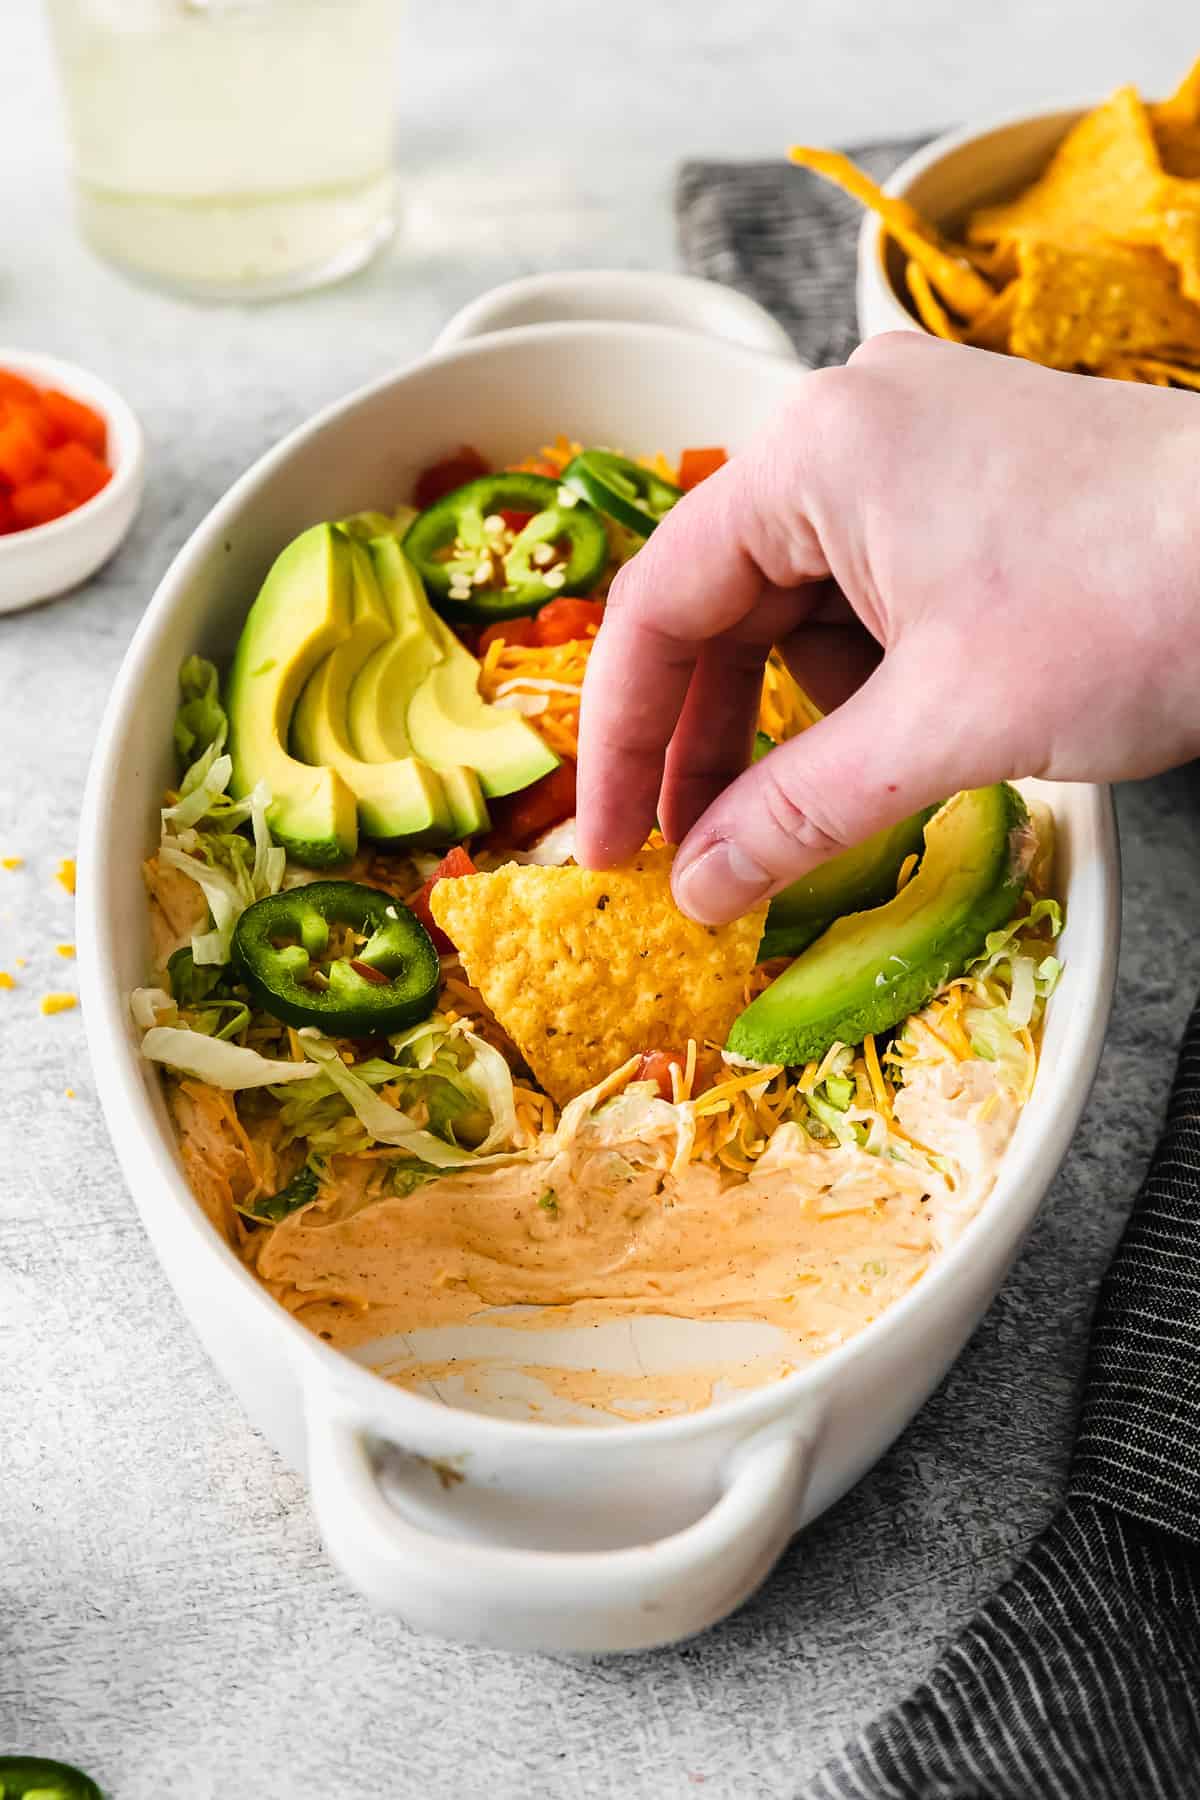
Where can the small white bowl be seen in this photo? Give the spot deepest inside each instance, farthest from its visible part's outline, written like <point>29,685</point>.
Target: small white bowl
<point>48,559</point>
<point>945,181</point>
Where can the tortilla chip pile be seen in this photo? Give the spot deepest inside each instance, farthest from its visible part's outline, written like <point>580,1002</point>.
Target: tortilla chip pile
<point>1095,267</point>
<point>585,969</point>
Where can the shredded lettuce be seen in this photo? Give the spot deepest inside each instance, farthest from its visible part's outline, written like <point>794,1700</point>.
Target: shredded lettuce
<point>837,1121</point>
<point>1032,975</point>
<point>202,833</point>
<point>200,722</point>
<point>211,1059</point>
<point>384,1124</point>
<point>463,1083</point>
<point>152,1006</point>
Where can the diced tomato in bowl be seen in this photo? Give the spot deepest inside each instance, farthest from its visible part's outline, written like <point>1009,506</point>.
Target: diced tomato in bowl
<point>453,471</point>
<point>696,466</point>
<point>456,862</point>
<point>520,818</point>
<point>656,1066</point>
<point>53,452</point>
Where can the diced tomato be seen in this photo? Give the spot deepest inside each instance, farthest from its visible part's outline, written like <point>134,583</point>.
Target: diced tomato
<point>656,1066</point>
<point>519,818</point>
<point>81,473</point>
<point>37,502</point>
<point>513,631</point>
<point>516,521</point>
<point>46,431</point>
<point>22,454</point>
<point>15,387</point>
<point>76,421</point>
<point>696,466</point>
<point>454,471</point>
<point>562,621</point>
<point>456,862</point>
<point>51,453</point>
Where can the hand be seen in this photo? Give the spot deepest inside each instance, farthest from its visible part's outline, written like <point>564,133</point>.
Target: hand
<point>979,568</point>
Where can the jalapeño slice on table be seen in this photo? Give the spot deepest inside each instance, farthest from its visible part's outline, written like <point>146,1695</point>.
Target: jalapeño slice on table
<point>635,497</point>
<point>372,990</point>
<point>40,1778</point>
<point>478,567</point>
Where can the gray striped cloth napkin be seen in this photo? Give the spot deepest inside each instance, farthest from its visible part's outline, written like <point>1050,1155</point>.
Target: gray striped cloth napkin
<point>1080,1678</point>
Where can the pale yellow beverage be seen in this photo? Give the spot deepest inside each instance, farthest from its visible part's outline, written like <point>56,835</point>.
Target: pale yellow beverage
<point>231,148</point>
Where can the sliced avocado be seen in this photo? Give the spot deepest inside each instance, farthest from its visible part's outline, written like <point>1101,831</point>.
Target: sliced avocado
<point>367,525</point>
<point>402,800</point>
<point>302,613</point>
<point>377,707</point>
<point>468,807</point>
<point>379,699</point>
<point>860,878</point>
<point>451,725</point>
<point>872,969</point>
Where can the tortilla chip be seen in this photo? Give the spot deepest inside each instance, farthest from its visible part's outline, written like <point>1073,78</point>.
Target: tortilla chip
<point>1082,308</point>
<point>1101,182</point>
<point>584,968</point>
<point>1176,126</point>
<point>1122,368</point>
<point>996,262</point>
<point>989,330</point>
<point>1176,232</point>
<point>930,310</point>
<point>1165,374</point>
<point>946,266</point>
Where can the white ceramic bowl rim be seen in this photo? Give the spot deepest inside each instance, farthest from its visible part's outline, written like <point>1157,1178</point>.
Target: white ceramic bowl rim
<point>121,1076</point>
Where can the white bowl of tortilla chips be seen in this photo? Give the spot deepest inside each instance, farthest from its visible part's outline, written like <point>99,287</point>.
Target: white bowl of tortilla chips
<point>503,1509</point>
<point>1069,236</point>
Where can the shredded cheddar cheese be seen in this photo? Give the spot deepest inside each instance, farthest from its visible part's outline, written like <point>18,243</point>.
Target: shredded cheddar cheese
<point>553,673</point>
<point>65,873</point>
<point>59,1003</point>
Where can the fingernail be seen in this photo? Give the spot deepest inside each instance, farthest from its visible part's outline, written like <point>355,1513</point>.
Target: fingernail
<point>720,884</point>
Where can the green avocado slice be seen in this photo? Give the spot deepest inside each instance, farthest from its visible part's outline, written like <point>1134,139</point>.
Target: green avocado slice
<point>451,724</point>
<point>401,800</point>
<point>858,879</point>
<point>303,611</point>
<point>870,970</point>
<point>379,699</point>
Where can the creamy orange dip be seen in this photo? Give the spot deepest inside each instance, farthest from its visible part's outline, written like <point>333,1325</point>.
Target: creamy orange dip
<point>816,1241</point>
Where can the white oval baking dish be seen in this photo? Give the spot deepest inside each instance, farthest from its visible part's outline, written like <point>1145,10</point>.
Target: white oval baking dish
<point>512,1531</point>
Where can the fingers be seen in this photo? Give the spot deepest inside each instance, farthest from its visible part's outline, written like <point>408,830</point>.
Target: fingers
<point>889,750</point>
<point>719,553</point>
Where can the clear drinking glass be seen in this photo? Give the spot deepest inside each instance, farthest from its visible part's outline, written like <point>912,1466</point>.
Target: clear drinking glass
<point>231,148</point>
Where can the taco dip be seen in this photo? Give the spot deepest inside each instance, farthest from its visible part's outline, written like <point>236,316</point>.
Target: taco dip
<point>427,1072</point>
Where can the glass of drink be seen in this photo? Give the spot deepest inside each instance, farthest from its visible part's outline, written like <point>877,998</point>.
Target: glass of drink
<point>231,149</point>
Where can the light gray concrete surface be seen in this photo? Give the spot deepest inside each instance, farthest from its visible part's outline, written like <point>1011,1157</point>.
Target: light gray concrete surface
<point>167,1617</point>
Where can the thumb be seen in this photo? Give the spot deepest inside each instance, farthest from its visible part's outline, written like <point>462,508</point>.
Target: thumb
<point>888,750</point>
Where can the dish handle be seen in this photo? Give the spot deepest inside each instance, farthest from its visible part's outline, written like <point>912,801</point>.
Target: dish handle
<point>623,296</point>
<point>577,1601</point>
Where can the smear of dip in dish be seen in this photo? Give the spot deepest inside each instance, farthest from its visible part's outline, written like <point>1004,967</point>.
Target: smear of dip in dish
<point>430,1078</point>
